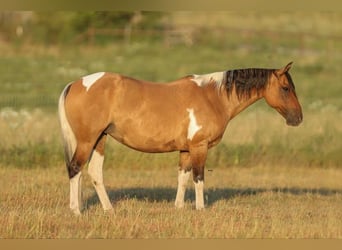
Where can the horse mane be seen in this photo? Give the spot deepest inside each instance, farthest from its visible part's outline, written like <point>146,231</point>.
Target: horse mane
<point>289,79</point>
<point>201,80</point>
<point>246,80</point>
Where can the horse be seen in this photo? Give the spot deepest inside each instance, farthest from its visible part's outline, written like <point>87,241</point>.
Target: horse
<point>188,115</point>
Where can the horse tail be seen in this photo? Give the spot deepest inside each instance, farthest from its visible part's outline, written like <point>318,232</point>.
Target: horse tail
<point>68,136</point>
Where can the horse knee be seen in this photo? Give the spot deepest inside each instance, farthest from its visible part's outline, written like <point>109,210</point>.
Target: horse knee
<point>198,174</point>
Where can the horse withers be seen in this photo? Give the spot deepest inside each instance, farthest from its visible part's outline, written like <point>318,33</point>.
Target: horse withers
<point>188,115</point>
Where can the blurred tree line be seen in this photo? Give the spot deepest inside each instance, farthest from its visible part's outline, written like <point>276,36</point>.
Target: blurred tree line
<point>77,27</point>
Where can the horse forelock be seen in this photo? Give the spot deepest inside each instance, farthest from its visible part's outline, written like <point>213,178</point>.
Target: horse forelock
<point>245,81</point>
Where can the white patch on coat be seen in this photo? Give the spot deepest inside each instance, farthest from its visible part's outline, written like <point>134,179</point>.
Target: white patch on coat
<point>89,80</point>
<point>216,77</point>
<point>193,126</point>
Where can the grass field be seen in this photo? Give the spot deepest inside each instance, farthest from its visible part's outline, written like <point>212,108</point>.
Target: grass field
<point>266,180</point>
<point>259,202</point>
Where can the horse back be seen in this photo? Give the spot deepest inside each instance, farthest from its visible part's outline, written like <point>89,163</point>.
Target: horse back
<point>147,116</point>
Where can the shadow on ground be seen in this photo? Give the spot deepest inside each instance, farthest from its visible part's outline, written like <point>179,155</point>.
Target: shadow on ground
<point>162,194</point>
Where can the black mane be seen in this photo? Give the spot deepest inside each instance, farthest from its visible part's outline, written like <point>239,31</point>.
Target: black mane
<point>247,80</point>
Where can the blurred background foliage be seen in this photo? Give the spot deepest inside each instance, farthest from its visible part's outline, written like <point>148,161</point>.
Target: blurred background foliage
<point>64,45</point>
<point>99,27</point>
<point>69,27</point>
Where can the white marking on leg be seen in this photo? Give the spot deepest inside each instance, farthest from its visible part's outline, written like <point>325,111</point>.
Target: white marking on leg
<point>183,177</point>
<point>202,80</point>
<point>96,174</point>
<point>199,195</point>
<point>193,126</point>
<point>76,193</point>
<point>89,80</point>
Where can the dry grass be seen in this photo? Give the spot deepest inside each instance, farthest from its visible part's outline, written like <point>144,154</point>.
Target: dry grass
<point>260,202</point>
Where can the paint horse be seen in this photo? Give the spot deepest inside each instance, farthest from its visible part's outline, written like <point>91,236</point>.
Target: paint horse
<point>188,115</point>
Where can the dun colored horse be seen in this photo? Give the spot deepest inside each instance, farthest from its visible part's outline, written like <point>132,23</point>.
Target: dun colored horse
<point>188,115</point>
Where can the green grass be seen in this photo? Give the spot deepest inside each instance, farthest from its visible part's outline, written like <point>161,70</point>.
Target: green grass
<point>34,76</point>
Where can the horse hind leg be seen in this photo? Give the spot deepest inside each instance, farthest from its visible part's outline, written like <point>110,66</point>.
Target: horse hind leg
<point>75,193</point>
<point>96,173</point>
<point>74,167</point>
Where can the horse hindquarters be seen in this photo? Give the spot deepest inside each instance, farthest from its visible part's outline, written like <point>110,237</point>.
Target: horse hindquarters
<point>78,150</point>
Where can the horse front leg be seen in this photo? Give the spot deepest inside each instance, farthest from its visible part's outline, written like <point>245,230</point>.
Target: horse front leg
<point>183,177</point>
<point>198,155</point>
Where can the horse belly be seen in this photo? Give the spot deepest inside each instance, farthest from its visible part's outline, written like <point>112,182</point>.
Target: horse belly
<point>147,138</point>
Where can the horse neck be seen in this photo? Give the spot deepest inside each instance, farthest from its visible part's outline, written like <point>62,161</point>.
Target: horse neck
<point>235,105</point>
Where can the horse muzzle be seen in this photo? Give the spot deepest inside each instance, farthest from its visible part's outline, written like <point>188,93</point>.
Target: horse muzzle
<point>294,119</point>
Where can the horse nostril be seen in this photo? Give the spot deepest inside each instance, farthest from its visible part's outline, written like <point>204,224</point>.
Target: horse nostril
<point>300,119</point>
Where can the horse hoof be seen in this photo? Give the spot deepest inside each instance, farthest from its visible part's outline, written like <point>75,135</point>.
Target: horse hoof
<point>76,212</point>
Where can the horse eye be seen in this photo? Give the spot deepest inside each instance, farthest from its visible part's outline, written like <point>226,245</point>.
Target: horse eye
<point>285,88</point>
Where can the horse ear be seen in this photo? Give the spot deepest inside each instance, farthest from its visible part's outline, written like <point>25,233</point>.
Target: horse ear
<point>283,70</point>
